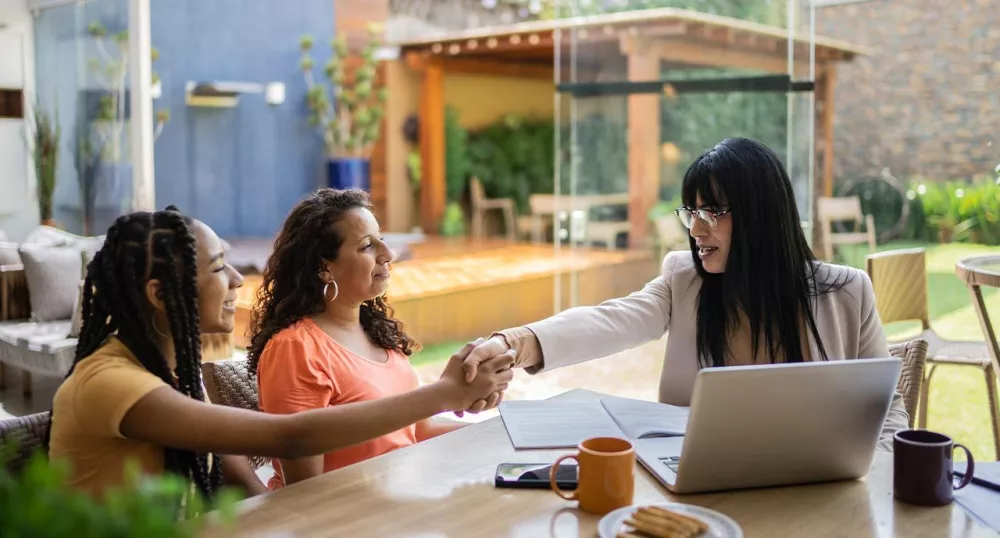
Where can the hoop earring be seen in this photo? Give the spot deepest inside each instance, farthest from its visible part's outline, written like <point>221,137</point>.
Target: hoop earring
<point>152,321</point>
<point>336,291</point>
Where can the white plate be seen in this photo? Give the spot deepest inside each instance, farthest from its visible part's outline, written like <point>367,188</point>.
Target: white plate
<point>719,525</point>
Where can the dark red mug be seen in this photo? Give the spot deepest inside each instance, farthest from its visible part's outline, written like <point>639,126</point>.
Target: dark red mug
<point>923,468</point>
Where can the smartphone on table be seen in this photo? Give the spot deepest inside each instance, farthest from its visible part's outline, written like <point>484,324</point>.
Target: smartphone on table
<point>535,476</point>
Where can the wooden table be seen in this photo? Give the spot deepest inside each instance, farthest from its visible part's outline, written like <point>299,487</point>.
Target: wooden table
<point>444,487</point>
<point>976,272</point>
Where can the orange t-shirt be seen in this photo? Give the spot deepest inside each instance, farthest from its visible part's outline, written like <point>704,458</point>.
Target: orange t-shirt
<point>303,368</point>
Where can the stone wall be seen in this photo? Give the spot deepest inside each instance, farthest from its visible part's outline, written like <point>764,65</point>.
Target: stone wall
<point>926,101</point>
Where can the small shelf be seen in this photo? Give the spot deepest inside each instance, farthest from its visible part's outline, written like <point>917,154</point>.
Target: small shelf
<point>11,103</point>
<point>218,94</point>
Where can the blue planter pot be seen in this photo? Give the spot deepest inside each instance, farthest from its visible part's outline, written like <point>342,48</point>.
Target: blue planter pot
<point>349,174</point>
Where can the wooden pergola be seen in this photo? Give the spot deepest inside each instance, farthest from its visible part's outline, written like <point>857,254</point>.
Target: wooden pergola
<point>639,44</point>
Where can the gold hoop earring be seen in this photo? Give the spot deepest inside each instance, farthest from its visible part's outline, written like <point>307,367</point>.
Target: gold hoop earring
<point>336,291</point>
<point>152,321</point>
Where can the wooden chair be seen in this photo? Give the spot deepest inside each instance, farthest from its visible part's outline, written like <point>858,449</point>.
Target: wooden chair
<point>28,435</point>
<point>481,204</point>
<point>899,278</point>
<point>913,354</point>
<point>831,210</point>
<point>228,382</point>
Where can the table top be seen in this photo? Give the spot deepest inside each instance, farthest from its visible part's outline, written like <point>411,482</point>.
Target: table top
<point>982,270</point>
<point>444,487</point>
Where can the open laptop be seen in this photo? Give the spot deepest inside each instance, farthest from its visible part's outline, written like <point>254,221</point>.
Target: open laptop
<point>776,425</point>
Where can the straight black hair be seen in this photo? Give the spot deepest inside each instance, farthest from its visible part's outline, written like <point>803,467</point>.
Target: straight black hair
<point>771,273</point>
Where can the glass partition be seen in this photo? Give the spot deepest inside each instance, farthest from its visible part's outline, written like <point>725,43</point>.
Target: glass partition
<point>644,87</point>
<point>82,78</point>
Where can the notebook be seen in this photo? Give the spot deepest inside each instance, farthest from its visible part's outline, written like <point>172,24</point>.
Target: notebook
<point>981,498</point>
<point>537,424</point>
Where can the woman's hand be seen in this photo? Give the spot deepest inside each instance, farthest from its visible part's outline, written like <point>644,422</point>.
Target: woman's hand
<point>491,380</point>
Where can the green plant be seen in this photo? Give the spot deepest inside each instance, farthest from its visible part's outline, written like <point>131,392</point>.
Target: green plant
<point>111,73</point>
<point>453,221</point>
<point>415,168</point>
<point>45,138</point>
<point>38,503</point>
<point>351,121</point>
<point>513,158</point>
<point>960,211</point>
<point>456,155</point>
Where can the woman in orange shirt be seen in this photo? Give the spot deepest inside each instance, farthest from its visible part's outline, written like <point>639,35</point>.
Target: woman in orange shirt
<point>322,334</point>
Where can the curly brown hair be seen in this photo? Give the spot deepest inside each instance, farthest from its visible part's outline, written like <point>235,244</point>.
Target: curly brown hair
<point>292,289</point>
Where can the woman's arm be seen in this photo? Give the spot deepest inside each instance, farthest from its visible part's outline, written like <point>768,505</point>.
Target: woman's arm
<point>433,427</point>
<point>237,472</point>
<point>168,418</point>
<point>872,344</point>
<point>588,332</point>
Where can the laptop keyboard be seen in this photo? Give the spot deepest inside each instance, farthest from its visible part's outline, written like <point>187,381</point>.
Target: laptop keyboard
<point>672,462</point>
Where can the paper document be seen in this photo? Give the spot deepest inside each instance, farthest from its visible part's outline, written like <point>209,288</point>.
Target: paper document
<point>563,424</point>
<point>981,500</point>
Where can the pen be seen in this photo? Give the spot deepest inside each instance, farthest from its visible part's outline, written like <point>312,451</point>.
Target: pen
<point>981,482</point>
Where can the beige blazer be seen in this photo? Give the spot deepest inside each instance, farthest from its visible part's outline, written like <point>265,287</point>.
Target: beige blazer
<point>847,321</point>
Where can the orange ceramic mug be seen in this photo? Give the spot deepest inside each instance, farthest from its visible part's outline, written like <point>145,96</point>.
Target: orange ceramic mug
<point>606,475</point>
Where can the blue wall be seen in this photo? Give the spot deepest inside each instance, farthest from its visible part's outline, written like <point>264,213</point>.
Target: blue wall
<point>238,169</point>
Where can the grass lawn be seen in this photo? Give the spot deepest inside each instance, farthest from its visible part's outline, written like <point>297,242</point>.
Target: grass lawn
<point>958,395</point>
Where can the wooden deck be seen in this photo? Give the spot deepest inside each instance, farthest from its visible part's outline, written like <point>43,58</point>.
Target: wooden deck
<point>461,289</point>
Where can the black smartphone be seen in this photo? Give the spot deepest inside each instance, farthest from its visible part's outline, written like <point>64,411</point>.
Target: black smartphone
<point>535,476</point>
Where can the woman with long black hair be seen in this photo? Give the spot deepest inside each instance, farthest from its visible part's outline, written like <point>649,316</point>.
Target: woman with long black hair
<point>750,291</point>
<point>135,391</point>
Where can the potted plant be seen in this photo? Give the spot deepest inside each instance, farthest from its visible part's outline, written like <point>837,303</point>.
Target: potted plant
<point>349,112</point>
<point>38,502</point>
<point>45,155</point>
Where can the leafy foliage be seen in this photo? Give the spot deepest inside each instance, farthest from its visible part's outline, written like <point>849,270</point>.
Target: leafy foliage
<point>45,155</point>
<point>351,121</point>
<point>456,155</point>
<point>38,503</point>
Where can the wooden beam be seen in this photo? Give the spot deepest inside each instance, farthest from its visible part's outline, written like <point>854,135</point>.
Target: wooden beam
<point>467,66</point>
<point>712,55</point>
<point>432,185</point>
<point>829,82</point>
<point>643,146</point>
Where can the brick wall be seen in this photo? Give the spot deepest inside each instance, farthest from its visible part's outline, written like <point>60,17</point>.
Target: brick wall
<point>926,102</point>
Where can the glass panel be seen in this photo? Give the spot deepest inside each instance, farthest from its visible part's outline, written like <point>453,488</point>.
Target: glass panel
<point>81,55</point>
<point>643,90</point>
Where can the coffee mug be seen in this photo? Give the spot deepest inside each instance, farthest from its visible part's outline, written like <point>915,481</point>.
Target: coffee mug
<point>923,468</point>
<point>606,475</point>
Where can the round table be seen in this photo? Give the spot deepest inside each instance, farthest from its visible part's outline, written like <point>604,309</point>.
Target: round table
<point>976,272</point>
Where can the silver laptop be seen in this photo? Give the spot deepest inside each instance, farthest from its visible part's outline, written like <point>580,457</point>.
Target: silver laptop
<point>776,425</point>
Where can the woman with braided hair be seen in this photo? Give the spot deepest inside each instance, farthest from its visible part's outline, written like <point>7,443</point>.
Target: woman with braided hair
<point>135,392</point>
<point>322,334</point>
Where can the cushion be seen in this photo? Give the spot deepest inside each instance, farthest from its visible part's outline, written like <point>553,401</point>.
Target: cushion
<point>53,276</point>
<point>77,321</point>
<point>8,254</point>
<point>52,237</point>
<point>3,236</point>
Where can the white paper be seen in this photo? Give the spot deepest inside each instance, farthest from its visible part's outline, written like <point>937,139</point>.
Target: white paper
<point>556,424</point>
<point>642,419</point>
<point>536,424</point>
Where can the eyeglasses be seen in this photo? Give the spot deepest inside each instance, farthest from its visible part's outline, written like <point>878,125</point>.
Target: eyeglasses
<point>708,216</point>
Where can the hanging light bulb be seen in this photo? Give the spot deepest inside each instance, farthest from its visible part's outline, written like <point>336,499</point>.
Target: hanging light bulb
<point>489,4</point>
<point>535,6</point>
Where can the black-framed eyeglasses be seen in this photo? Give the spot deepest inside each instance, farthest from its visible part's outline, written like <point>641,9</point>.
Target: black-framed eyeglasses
<point>708,216</point>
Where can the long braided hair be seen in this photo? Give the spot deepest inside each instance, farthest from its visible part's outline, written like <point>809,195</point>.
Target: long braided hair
<point>291,290</point>
<point>140,247</point>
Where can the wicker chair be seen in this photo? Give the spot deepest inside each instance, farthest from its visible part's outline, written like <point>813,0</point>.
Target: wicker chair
<point>900,281</point>
<point>914,356</point>
<point>228,382</point>
<point>28,433</point>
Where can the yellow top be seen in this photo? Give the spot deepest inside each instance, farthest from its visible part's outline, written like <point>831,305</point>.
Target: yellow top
<point>87,413</point>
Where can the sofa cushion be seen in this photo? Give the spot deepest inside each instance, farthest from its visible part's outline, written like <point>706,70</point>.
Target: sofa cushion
<point>8,254</point>
<point>38,347</point>
<point>53,276</point>
<point>51,237</point>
